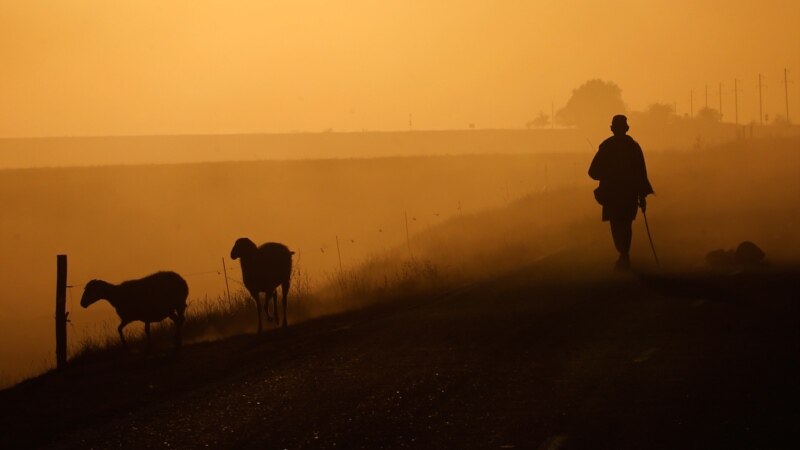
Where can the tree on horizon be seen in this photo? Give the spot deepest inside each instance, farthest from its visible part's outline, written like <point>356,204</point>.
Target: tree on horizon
<point>592,105</point>
<point>541,121</point>
<point>708,115</point>
<point>656,115</point>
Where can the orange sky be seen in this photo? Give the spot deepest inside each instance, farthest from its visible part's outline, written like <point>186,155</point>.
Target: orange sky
<point>100,67</point>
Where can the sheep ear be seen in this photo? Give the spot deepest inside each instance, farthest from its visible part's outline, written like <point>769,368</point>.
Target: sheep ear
<point>291,253</point>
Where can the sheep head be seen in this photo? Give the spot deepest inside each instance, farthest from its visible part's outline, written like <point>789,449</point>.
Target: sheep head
<point>95,290</point>
<point>242,247</point>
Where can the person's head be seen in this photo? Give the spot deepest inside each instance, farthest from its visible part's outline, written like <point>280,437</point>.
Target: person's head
<point>619,125</point>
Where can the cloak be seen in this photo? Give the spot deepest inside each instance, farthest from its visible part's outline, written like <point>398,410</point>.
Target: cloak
<point>620,168</point>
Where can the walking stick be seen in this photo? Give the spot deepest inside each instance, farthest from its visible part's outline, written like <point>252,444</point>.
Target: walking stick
<point>650,237</point>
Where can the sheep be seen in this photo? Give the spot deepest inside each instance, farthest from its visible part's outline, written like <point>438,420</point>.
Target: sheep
<point>149,299</point>
<point>264,268</point>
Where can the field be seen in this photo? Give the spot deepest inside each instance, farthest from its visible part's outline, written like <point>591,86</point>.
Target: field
<point>561,353</point>
<point>469,217</point>
<point>118,223</point>
<point>133,150</point>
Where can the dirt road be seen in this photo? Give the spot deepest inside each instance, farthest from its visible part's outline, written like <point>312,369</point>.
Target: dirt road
<point>538,359</point>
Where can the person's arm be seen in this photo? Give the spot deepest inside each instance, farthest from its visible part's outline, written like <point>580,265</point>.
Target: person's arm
<point>597,168</point>
<point>645,188</point>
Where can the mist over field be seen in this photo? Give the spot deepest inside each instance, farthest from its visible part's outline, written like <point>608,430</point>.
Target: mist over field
<point>427,164</point>
<point>470,216</point>
<point>118,223</point>
<point>134,150</point>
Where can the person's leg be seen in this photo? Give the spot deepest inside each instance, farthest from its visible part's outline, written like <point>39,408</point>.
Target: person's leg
<point>622,231</point>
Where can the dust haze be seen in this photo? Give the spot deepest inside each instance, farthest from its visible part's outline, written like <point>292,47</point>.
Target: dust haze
<point>150,68</point>
<point>137,137</point>
<point>470,216</point>
<point>117,223</point>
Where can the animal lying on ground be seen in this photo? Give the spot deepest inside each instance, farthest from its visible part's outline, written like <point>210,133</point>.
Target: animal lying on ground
<point>746,256</point>
<point>149,299</point>
<point>265,268</point>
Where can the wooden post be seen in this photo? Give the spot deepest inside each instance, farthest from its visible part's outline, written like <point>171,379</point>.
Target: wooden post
<point>786,91</point>
<point>760,104</point>
<point>339,252</point>
<point>61,313</point>
<point>736,100</point>
<point>225,272</point>
<point>408,237</point>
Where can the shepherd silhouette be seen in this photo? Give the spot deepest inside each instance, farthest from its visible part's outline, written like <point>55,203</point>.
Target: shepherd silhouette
<point>624,187</point>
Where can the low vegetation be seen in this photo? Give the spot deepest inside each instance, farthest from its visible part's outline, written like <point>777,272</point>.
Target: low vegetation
<point>378,279</point>
<point>704,200</point>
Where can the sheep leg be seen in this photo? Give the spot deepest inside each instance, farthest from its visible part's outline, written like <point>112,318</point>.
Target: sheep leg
<point>275,305</point>
<point>122,335</point>
<point>257,299</point>
<point>266,307</point>
<point>284,293</point>
<point>147,333</point>
<point>178,318</point>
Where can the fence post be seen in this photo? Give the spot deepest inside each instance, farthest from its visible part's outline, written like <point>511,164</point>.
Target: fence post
<point>61,313</point>
<point>339,252</point>
<point>225,272</point>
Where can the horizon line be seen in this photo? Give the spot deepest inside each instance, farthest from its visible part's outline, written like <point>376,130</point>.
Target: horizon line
<point>282,133</point>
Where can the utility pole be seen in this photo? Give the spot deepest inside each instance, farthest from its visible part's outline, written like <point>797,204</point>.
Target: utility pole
<point>720,101</point>
<point>786,90</point>
<point>552,115</point>
<point>760,103</point>
<point>706,96</point>
<point>736,100</point>
<point>691,104</point>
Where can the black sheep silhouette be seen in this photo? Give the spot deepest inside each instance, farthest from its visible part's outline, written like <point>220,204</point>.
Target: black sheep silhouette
<point>149,299</point>
<point>264,268</point>
<point>746,256</point>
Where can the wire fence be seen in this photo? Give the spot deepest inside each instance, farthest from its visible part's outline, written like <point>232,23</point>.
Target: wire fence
<point>410,223</point>
<point>218,272</point>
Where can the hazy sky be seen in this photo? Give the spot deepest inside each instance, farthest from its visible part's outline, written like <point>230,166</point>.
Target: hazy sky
<point>102,67</point>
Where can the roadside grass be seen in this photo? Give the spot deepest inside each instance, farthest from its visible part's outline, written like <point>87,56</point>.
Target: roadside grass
<point>379,279</point>
<point>698,209</point>
<point>436,261</point>
<point>10,378</point>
